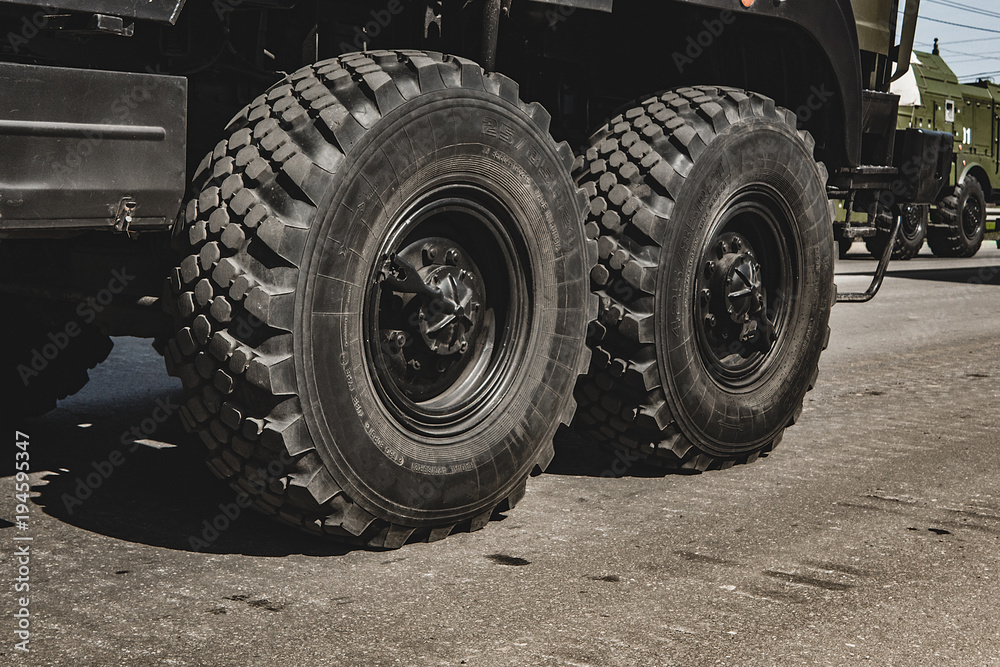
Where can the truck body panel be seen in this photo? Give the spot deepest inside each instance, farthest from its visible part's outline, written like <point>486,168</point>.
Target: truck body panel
<point>935,100</point>
<point>165,11</point>
<point>90,149</point>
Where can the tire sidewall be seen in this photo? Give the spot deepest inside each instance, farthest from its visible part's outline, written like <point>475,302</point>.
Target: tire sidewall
<point>716,418</point>
<point>908,247</point>
<point>435,139</point>
<point>971,190</point>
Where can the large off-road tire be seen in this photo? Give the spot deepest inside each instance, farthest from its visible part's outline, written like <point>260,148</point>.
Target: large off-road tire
<point>959,221</point>
<point>715,277</point>
<point>386,297</point>
<point>911,236</point>
<point>46,355</point>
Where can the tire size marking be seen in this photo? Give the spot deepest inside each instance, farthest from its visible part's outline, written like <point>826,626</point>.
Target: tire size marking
<point>344,361</point>
<point>499,130</point>
<point>536,194</point>
<point>393,455</point>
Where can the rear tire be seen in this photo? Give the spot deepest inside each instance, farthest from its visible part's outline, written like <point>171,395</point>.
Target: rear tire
<point>960,221</point>
<point>911,236</point>
<point>47,353</point>
<point>327,381</point>
<point>715,277</point>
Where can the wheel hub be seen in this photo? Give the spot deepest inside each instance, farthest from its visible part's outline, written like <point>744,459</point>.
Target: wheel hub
<point>432,301</point>
<point>911,222</point>
<point>445,332</point>
<point>971,215</point>
<point>736,287</point>
<point>732,305</point>
<point>447,308</point>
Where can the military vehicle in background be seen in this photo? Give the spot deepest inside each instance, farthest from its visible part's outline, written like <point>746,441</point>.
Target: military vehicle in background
<point>380,273</point>
<point>932,98</point>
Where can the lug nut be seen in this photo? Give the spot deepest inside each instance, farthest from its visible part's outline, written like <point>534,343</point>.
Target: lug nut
<point>710,320</point>
<point>451,258</point>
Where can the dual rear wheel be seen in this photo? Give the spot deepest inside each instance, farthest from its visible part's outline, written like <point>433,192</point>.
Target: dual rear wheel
<point>387,288</point>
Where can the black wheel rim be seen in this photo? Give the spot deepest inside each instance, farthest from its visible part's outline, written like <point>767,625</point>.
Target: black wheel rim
<point>442,346</point>
<point>744,291</point>
<point>972,213</point>
<point>910,225</point>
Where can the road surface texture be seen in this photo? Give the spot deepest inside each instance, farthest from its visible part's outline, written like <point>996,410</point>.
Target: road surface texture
<point>870,536</point>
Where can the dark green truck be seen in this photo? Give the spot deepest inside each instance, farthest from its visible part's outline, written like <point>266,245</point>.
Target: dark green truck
<point>932,98</point>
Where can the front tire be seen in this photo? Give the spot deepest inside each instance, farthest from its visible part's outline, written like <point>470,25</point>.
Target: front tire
<point>385,300</point>
<point>959,221</point>
<point>715,276</point>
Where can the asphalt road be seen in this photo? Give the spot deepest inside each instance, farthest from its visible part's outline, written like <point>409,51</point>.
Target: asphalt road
<point>871,535</point>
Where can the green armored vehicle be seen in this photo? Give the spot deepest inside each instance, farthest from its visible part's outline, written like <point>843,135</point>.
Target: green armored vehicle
<point>932,98</point>
<point>385,278</point>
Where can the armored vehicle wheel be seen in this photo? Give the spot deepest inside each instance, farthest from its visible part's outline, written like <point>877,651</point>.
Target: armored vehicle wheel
<point>911,236</point>
<point>386,298</point>
<point>715,277</point>
<point>960,221</point>
<point>45,358</point>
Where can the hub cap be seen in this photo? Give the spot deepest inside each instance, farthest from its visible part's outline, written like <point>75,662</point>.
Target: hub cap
<point>910,225</point>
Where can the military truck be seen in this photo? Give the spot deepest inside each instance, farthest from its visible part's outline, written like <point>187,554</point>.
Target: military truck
<point>385,278</point>
<point>932,98</point>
